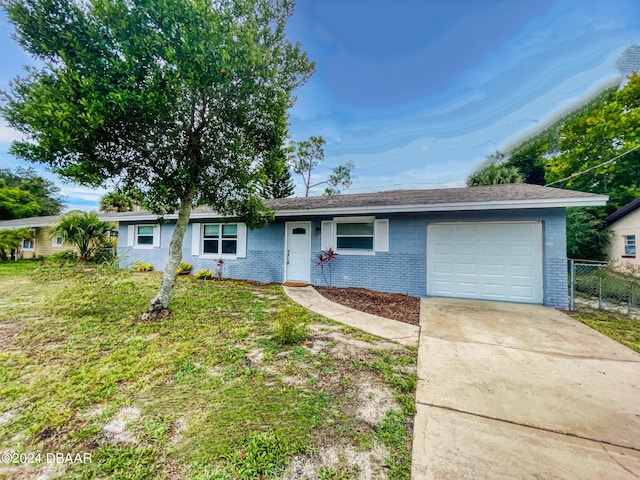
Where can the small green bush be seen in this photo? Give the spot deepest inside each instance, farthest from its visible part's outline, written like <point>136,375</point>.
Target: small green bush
<point>204,275</point>
<point>264,455</point>
<point>288,329</point>
<point>142,267</point>
<point>65,255</point>
<point>184,268</point>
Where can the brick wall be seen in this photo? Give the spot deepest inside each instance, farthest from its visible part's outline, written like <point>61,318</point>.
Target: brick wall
<point>402,269</point>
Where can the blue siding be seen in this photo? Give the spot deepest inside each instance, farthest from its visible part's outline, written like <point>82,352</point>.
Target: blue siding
<point>402,269</point>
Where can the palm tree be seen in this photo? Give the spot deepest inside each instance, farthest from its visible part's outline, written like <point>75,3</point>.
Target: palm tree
<point>83,230</point>
<point>11,241</point>
<point>494,174</point>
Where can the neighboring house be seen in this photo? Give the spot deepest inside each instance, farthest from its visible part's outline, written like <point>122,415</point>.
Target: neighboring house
<point>628,63</point>
<point>625,227</point>
<point>501,242</point>
<point>43,244</point>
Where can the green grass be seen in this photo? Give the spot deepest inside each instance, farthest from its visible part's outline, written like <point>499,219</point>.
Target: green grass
<point>620,327</point>
<point>74,353</point>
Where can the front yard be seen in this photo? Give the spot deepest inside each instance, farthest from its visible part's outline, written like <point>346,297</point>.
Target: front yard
<point>212,392</point>
<point>622,328</point>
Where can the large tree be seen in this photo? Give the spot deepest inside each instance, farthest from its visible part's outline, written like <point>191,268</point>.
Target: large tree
<point>16,203</point>
<point>598,151</point>
<point>495,174</point>
<point>45,192</point>
<point>182,99</point>
<point>277,181</point>
<point>307,155</point>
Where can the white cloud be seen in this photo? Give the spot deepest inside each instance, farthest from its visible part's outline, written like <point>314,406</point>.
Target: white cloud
<point>8,134</point>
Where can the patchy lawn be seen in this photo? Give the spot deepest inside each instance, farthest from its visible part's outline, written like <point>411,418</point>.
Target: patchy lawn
<point>209,393</point>
<point>620,327</point>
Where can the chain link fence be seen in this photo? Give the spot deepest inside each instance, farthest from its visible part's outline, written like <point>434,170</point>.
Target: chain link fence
<point>598,285</point>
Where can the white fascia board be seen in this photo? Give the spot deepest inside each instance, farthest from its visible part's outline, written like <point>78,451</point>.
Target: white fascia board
<point>595,201</point>
<point>16,227</point>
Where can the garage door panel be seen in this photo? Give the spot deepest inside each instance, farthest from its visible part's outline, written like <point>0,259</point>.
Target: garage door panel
<point>494,261</point>
<point>467,269</point>
<point>492,249</point>
<point>442,249</point>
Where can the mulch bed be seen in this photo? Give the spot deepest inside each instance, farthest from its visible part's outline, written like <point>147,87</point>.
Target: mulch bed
<point>395,306</point>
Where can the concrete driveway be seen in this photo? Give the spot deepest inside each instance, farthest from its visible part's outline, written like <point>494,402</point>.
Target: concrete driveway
<point>509,391</point>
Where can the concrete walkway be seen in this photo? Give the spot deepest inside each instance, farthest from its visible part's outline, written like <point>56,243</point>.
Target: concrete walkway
<point>399,332</point>
<point>511,391</point>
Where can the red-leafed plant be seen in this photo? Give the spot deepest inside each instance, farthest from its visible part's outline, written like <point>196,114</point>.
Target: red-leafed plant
<point>325,258</point>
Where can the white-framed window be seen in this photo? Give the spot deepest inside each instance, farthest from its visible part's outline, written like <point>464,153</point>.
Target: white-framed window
<point>56,241</point>
<point>629,244</point>
<point>28,244</point>
<point>143,236</point>
<point>356,235</point>
<point>219,240</point>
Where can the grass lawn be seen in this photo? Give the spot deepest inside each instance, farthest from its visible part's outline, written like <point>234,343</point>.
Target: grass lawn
<point>620,327</point>
<point>211,392</point>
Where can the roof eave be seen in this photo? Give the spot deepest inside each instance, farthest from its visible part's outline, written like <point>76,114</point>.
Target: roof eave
<point>593,201</point>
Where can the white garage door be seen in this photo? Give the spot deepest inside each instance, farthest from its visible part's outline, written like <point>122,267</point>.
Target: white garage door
<point>489,261</point>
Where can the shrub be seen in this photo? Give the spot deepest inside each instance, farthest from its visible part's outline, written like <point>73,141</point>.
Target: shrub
<point>85,231</point>
<point>184,268</point>
<point>204,275</point>
<point>141,267</point>
<point>65,255</point>
<point>264,455</point>
<point>288,329</point>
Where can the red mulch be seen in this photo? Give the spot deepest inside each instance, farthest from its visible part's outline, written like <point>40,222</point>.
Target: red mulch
<point>389,305</point>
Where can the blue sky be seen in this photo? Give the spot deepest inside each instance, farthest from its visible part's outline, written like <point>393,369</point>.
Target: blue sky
<point>417,93</point>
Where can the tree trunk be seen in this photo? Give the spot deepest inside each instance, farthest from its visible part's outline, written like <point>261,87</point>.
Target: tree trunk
<point>160,302</point>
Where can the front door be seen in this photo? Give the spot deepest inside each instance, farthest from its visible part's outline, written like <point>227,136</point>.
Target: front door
<point>298,252</point>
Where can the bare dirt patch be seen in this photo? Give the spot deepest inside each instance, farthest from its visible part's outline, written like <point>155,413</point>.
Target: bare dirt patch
<point>394,306</point>
<point>116,430</point>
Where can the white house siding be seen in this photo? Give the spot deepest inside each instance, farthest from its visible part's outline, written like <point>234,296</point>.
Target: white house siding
<point>627,225</point>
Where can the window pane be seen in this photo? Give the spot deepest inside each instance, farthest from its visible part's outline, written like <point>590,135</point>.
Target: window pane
<point>229,246</point>
<point>210,246</point>
<point>299,231</point>
<point>145,240</point>
<point>354,228</point>
<point>355,243</point>
<point>230,230</point>
<point>211,230</point>
<point>630,245</point>
<point>145,230</point>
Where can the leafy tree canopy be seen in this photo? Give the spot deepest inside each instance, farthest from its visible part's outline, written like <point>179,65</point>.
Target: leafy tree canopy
<point>45,192</point>
<point>601,134</point>
<point>181,99</point>
<point>277,181</point>
<point>16,203</point>
<point>494,174</point>
<point>118,201</point>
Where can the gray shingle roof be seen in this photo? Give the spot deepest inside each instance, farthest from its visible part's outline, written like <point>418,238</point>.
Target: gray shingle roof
<point>29,222</point>
<point>485,194</point>
<point>421,200</point>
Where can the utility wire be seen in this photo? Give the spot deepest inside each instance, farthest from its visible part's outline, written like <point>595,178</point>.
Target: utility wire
<point>577,174</point>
